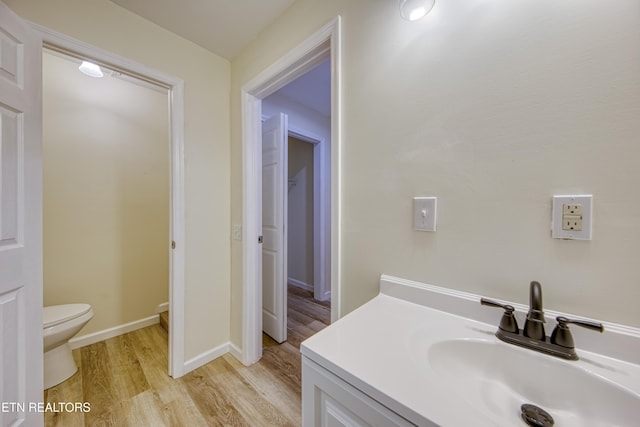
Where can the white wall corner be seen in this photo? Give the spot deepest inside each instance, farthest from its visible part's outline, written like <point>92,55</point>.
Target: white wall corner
<point>235,351</point>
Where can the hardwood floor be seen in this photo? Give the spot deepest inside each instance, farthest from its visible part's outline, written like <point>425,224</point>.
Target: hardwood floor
<point>305,316</point>
<point>125,380</point>
<point>164,320</point>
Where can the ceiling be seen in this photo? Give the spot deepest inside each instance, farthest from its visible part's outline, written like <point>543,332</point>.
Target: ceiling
<point>312,89</point>
<point>223,27</point>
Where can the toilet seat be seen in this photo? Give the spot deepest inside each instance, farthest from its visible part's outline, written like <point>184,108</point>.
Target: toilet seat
<point>56,314</point>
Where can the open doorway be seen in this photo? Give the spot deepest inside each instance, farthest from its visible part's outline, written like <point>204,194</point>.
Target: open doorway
<point>301,112</point>
<point>174,87</point>
<point>308,297</point>
<point>106,151</point>
<point>323,45</point>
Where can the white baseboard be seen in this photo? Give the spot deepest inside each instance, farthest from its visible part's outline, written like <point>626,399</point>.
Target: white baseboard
<point>235,351</point>
<point>300,284</point>
<point>326,296</point>
<point>105,334</point>
<point>206,357</point>
<point>162,307</point>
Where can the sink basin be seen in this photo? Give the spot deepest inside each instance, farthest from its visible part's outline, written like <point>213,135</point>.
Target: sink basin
<point>496,379</point>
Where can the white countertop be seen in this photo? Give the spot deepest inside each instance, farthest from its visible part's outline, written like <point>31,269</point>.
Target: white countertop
<point>382,349</point>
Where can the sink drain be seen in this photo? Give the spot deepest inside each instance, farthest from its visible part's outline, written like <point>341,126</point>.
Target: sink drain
<point>534,416</point>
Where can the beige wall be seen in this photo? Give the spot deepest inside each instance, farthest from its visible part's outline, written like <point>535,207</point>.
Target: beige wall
<point>206,80</point>
<point>493,107</point>
<point>106,194</point>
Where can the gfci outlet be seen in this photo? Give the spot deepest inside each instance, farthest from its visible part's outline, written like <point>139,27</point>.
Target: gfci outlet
<point>424,213</point>
<point>571,217</point>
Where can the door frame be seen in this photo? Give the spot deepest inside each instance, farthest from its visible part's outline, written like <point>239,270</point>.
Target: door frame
<point>54,40</point>
<point>324,43</point>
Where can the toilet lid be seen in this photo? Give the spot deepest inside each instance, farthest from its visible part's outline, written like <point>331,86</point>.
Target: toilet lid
<point>56,314</point>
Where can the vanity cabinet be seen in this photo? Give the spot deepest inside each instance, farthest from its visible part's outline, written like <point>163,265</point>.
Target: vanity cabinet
<point>329,401</point>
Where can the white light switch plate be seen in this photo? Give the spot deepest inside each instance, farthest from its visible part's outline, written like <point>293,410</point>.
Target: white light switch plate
<point>237,232</point>
<point>571,217</point>
<point>424,213</point>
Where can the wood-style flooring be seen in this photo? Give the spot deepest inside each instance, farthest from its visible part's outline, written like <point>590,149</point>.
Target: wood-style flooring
<point>164,320</point>
<point>125,380</point>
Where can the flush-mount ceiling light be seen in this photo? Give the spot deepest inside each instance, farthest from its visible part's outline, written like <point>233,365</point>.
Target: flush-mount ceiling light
<point>90,69</point>
<point>412,10</point>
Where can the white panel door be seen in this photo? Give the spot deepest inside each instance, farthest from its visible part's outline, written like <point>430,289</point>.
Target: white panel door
<point>274,218</point>
<point>21,378</point>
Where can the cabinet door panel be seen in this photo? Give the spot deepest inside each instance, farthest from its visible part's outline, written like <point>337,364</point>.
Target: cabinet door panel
<point>329,401</point>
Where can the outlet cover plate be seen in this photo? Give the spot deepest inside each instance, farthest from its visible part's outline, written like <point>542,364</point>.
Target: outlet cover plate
<point>424,213</point>
<point>572,206</point>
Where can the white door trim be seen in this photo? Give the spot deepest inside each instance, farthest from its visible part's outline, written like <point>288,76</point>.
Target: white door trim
<point>175,86</point>
<point>322,44</point>
<point>321,253</point>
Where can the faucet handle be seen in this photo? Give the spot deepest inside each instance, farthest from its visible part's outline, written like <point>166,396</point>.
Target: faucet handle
<point>562,335</point>
<point>508,322</point>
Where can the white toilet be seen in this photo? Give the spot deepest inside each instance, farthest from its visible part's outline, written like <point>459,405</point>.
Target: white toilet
<point>60,323</point>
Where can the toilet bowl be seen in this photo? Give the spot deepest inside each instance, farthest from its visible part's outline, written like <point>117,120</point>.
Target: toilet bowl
<point>60,323</point>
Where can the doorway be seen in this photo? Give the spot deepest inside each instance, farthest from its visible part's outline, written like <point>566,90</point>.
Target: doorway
<point>303,109</point>
<point>105,195</point>
<point>323,45</point>
<point>308,296</point>
<point>57,42</point>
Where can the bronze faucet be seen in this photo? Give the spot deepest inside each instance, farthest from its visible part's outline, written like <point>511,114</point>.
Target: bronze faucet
<point>534,325</point>
<point>559,344</point>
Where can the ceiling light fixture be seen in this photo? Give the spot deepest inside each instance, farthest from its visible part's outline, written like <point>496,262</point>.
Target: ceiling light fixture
<point>90,69</point>
<point>412,10</point>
